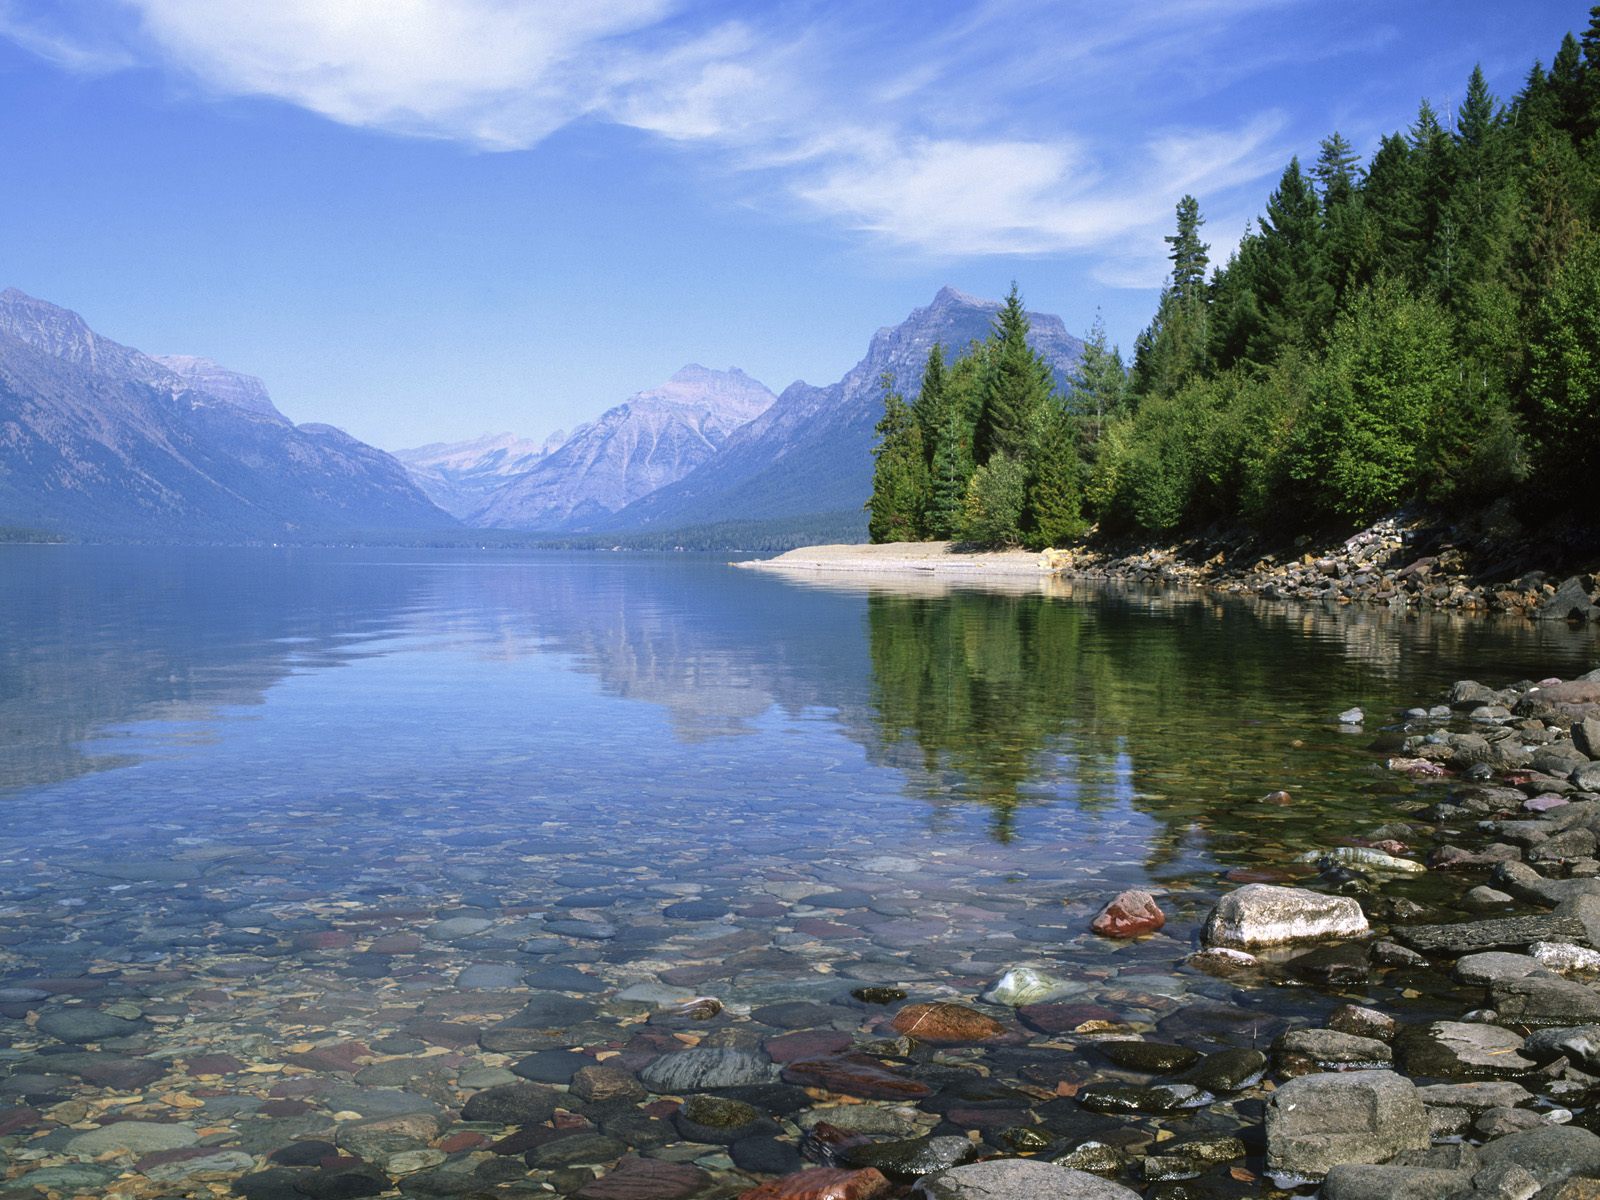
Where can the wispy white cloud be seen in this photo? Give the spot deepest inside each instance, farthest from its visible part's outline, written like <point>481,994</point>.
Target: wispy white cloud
<point>959,138</point>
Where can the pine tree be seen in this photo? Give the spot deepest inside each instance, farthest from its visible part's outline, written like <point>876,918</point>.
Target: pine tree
<point>1293,295</point>
<point>932,402</point>
<point>1173,348</point>
<point>947,445</point>
<point>900,476</point>
<point>1189,254</point>
<point>1098,384</point>
<point>1054,511</point>
<point>1017,386</point>
<point>1338,177</point>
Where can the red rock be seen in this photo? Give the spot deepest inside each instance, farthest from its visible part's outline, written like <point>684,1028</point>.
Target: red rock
<point>854,1075</point>
<point>646,1179</point>
<point>1064,1018</point>
<point>340,1057</point>
<point>17,1119</point>
<point>808,1043</point>
<point>822,1183</point>
<point>1132,914</point>
<point>943,1023</point>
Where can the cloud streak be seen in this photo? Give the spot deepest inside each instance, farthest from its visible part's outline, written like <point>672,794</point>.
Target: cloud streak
<point>950,143</point>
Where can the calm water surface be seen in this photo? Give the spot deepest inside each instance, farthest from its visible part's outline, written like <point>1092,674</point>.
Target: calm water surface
<point>224,774</point>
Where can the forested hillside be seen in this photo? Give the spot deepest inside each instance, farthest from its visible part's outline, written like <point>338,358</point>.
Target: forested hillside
<point>1422,327</point>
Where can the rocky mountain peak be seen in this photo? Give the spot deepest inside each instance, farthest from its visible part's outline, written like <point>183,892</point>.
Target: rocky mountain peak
<point>232,387</point>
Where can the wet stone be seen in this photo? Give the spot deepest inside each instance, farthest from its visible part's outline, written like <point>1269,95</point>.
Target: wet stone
<point>79,1026</point>
<point>704,1069</point>
<point>646,1179</point>
<point>822,1183</point>
<point>550,1010</point>
<point>576,1149</point>
<point>719,1120</point>
<point>551,1066</point>
<point>512,1104</point>
<point>855,1075</point>
<point>558,977</point>
<point>1154,1057</point>
<point>1462,1050</point>
<point>943,1023</point>
<point>914,1157</point>
<point>604,1083</point>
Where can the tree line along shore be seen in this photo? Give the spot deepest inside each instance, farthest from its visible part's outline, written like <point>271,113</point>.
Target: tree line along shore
<point>1421,329</point>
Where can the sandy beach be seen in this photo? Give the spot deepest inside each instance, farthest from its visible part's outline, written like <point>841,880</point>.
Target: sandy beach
<point>922,558</point>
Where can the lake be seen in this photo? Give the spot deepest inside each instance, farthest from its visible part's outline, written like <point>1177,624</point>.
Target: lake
<point>298,838</point>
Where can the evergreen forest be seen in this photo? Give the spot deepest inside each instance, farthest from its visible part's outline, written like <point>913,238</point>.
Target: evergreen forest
<point>1419,329</point>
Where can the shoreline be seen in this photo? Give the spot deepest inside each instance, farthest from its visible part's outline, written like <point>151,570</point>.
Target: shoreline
<point>1388,565</point>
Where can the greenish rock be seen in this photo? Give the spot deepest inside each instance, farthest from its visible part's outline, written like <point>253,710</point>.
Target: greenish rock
<point>1026,985</point>
<point>79,1026</point>
<point>224,1162</point>
<point>1093,1156</point>
<point>137,1137</point>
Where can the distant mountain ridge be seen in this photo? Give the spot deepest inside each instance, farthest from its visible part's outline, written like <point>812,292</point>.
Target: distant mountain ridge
<point>460,476</point>
<point>811,451</point>
<point>632,450</point>
<point>99,439</point>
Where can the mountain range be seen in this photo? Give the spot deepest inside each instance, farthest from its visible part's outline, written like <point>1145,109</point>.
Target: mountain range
<point>99,439</point>
<point>461,476</point>
<point>709,447</point>
<point>652,439</point>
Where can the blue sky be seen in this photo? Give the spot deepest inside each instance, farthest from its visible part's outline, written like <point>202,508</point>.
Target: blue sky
<point>426,219</point>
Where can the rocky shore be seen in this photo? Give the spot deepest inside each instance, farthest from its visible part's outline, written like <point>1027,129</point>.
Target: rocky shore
<point>1390,564</point>
<point>1413,1011</point>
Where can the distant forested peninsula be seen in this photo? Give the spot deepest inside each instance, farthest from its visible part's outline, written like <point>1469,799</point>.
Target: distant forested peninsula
<point>1419,329</point>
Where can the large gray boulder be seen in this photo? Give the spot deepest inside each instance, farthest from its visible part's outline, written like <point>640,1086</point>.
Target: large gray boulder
<point>1018,1179</point>
<point>1316,1122</point>
<point>1261,914</point>
<point>1550,1155</point>
<point>1368,1181</point>
<point>1572,602</point>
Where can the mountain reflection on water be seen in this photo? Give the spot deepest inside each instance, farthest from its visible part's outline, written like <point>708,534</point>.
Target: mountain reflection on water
<point>1033,694</point>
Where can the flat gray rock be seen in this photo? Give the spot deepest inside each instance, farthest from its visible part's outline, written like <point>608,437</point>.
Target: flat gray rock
<point>1262,914</point>
<point>706,1068</point>
<point>1366,1181</point>
<point>1463,1050</point>
<point>1317,1122</point>
<point>1018,1179</point>
<point>138,1137</point>
<point>1550,1155</point>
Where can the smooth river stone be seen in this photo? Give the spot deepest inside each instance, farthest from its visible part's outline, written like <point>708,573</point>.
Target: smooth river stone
<point>81,1025</point>
<point>1026,985</point>
<point>702,1069</point>
<point>1132,914</point>
<point>855,1075</point>
<point>822,1183</point>
<point>1018,1179</point>
<point>139,1137</point>
<point>646,1179</point>
<point>943,1023</point>
<point>1261,914</point>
